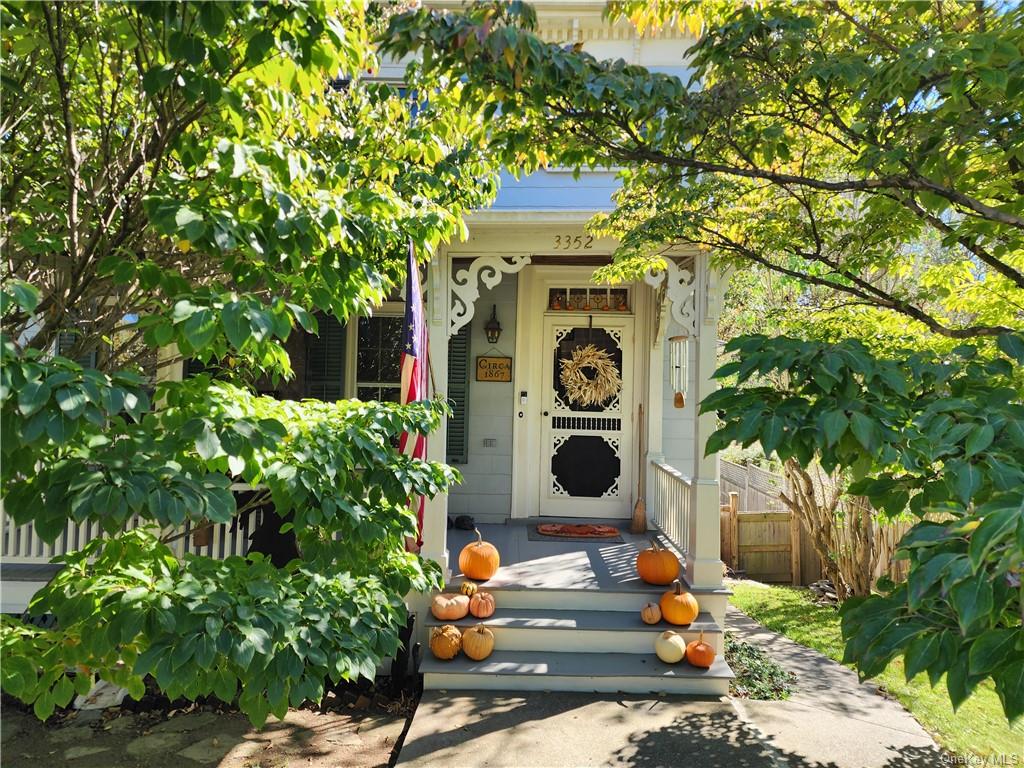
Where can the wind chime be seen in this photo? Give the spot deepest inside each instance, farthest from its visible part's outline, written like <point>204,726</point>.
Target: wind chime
<point>679,359</point>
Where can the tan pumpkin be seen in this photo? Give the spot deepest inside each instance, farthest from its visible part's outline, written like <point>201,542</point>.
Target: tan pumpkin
<point>445,642</point>
<point>657,565</point>
<point>479,559</point>
<point>699,653</point>
<point>478,642</point>
<point>677,606</point>
<point>449,607</point>
<point>468,588</point>
<point>650,613</point>
<point>670,647</point>
<point>482,605</point>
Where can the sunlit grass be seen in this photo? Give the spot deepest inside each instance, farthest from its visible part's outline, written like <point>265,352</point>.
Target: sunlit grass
<point>978,727</point>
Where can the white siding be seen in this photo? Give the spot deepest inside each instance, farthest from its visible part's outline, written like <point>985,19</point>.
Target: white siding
<point>486,491</point>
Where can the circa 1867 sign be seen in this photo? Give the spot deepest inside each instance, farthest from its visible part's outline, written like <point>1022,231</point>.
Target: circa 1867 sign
<point>494,369</point>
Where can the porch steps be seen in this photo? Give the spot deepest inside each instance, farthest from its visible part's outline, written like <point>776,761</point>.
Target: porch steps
<point>521,629</point>
<point>582,639</point>
<point>599,672</point>
<point>629,598</point>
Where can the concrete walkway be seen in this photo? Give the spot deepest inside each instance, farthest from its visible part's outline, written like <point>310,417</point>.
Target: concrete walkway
<point>832,721</point>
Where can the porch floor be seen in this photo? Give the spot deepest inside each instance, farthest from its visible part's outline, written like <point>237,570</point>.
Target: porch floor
<point>560,565</point>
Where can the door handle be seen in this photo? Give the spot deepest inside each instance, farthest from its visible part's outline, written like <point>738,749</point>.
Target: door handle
<point>545,413</point>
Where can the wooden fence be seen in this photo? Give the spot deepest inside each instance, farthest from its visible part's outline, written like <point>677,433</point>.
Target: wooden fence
<point>765,545</point>
<point>762,537</point>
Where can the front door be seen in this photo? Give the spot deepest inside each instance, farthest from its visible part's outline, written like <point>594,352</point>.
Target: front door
<point>586,433</point>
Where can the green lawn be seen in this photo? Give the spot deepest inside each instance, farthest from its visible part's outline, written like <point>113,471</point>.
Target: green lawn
<point>978,727</point>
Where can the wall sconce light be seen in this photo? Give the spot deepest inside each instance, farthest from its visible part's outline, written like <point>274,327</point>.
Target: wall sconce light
<point>493,327</point>
<point>679,358</point>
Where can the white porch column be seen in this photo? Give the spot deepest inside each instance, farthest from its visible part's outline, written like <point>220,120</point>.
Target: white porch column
<point>703,559</point>
<point>655,386</point>
<point>435,512</point>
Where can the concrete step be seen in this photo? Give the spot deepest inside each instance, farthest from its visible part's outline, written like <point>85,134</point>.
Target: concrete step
<point>626,597</point>
<point>601,672</point>
<point>522,629</point>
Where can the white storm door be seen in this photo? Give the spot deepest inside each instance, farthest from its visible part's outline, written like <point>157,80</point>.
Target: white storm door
<point>586,460</point>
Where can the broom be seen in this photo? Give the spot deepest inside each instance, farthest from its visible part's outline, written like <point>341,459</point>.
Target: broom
<point>639,523</point>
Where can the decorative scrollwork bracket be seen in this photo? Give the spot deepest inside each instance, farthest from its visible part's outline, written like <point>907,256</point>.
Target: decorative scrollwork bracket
<point>681,290</point>
<point>465,285</point>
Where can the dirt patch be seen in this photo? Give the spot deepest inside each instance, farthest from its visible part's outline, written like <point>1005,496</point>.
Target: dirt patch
<point>307,738</point>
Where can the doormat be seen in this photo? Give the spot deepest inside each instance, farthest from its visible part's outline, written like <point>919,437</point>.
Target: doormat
<point>569,532</point>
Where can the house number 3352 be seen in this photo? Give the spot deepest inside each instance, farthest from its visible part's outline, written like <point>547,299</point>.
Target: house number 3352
<point>574,242</point>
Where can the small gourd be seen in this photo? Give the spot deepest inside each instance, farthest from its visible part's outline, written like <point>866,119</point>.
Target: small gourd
<point>670,647</point>
<point>482,605</point>
<point>699,653</point>
<point>679,607</point>
<point>479,559</point>
<point>468,588</point>
<point>478,642</point>
<point>445,642</point>
<point>449,607</point>
<point>650,613</point>
<point>657,565</point>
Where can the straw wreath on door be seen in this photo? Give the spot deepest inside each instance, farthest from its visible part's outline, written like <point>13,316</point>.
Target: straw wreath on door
<point>590,376</point>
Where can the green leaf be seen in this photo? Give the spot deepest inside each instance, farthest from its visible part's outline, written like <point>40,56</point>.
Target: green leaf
<point>980,439</point>
<point>1010,687</point>
<point>212,19</point>
<point>157,79</point>
<point>835,424</point>
<point>772,433</point>
<point>990,650</point>
<point>1012,344</point>
<point>921,653</point>
<point>33,396</point>
<point>866,431</point>
<point>972,600</point>
<point>994,527</point>
<point>208,444</point>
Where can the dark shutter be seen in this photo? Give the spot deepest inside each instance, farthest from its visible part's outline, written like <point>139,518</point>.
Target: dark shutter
<point>66,341</point>
<point>458,394</point>
<point>325,360</point>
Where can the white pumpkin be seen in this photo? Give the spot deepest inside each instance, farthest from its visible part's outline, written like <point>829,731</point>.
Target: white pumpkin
<point>670,647</point>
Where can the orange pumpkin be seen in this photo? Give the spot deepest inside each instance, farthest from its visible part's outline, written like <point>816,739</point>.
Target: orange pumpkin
<point>478,642</point>
<point>657,565</point>
<point>479,559</point>
<point>650,613</point>
<point>699,653</point>
<point>448,607</point>
<point>678,607</point>
<point>482,605</point>
<point>445,642</point>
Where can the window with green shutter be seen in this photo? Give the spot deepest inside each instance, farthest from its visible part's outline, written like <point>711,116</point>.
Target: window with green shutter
<point>66,341</point>
<point>458,394</point>
<point>325,360</point>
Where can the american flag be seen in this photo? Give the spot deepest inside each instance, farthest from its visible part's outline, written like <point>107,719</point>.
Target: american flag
<point>415,373</point>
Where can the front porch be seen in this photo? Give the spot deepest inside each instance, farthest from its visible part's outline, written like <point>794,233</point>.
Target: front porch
<point>568,618</point>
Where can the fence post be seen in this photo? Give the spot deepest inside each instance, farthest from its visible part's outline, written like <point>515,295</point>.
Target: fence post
<point>794,548</point>
<point>734,538</point>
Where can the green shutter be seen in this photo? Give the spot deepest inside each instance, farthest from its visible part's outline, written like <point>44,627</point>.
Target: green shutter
<point>325,360</point>
<point>66,341</point>
<point>458,394</point>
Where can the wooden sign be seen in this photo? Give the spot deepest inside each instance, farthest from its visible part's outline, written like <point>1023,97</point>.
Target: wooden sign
<point>494,369</point>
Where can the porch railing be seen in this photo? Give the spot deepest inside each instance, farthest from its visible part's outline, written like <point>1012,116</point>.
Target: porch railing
<point>20,543</point>
<point>669,501</point>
